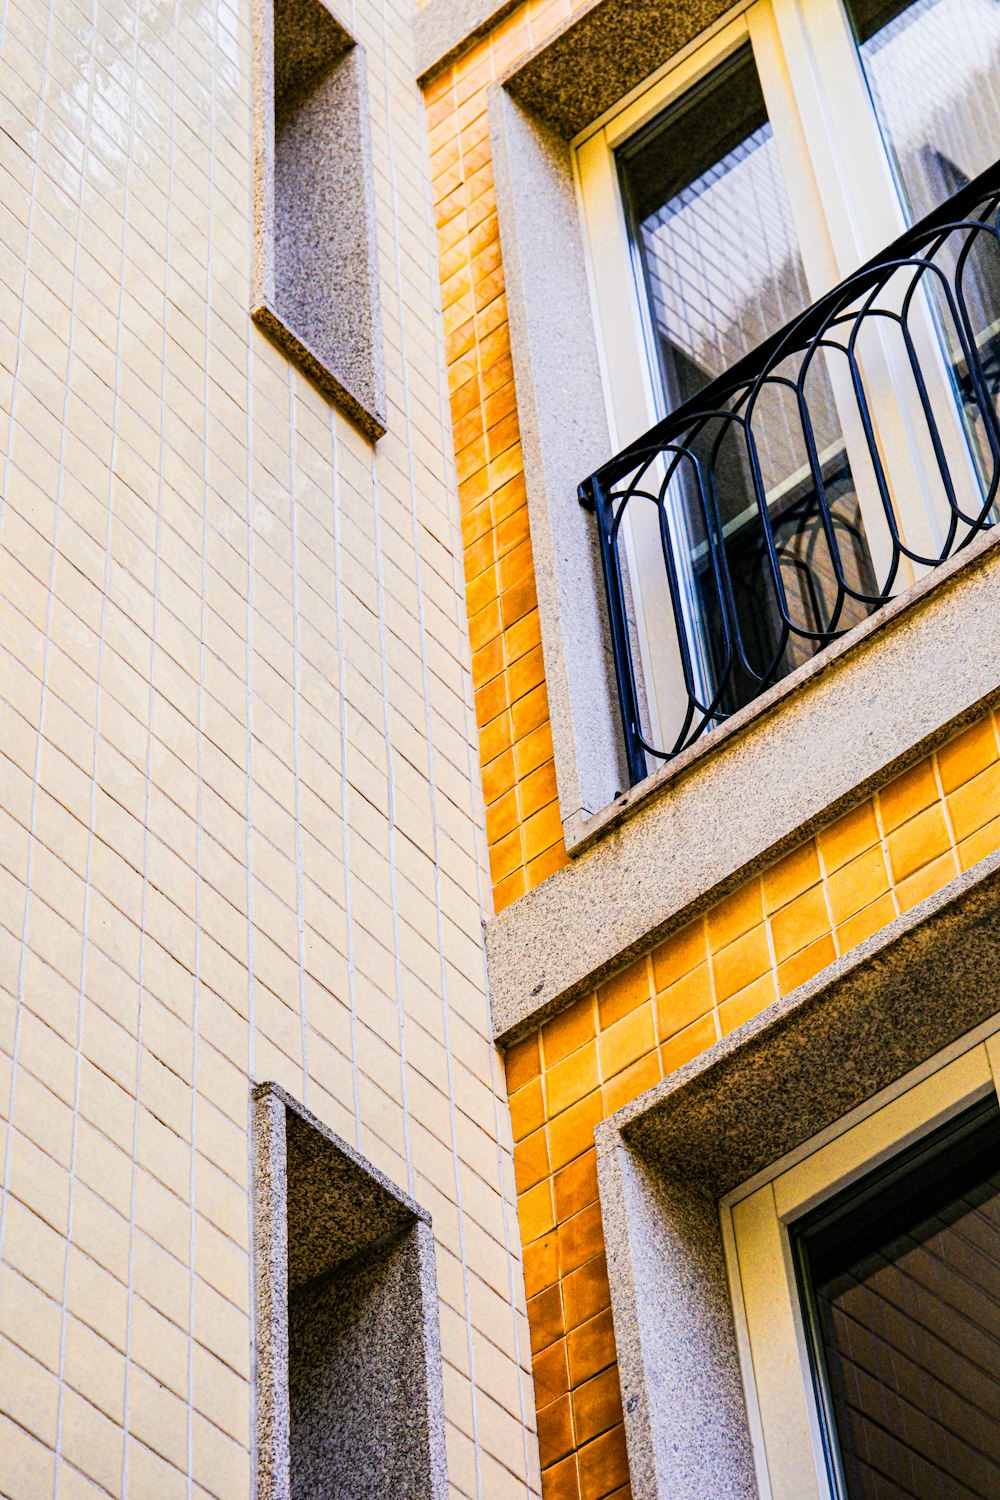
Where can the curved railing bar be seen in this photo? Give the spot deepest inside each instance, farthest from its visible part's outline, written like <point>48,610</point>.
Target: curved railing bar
<point>804,541</point>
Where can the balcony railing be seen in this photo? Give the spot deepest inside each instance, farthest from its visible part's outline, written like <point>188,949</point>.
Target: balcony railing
<point>856,449</point>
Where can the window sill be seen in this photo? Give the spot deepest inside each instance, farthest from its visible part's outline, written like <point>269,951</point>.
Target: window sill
<point>581,833</point>
<point>815,746</point>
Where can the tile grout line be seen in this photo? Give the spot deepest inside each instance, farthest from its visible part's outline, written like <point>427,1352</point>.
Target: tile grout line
<point>300,910</point>
<point>88,858</point>
<point>248,807</point>
<point>345,825</point>
<point>147,800</point>
<point>436,855</point>
<point>383,623</point>
<point>30,240</point>
<point>42,689</point>
<point>199,811</point>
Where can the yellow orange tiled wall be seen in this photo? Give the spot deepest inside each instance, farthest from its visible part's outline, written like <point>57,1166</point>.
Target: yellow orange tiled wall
<point>763,940</point>
<point>769,936</point>
<point>523,824</point>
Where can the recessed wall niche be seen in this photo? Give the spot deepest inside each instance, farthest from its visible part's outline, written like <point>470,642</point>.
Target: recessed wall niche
<point>347,1350</point>
<point>315,262</point>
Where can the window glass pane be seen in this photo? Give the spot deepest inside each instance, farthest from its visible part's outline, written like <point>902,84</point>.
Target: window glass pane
<point>903,1292</point>
<point>718,264</point>
<point>933,69</point>
<point>712,228</point>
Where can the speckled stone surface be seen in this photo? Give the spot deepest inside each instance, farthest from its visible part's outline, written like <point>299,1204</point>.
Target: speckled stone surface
<point>271,1286</point>
<point>444,28</point>
<point>627,41</point>
<point>685,1416</point>
<point>348,1362</point>
<point>315,266</point>
<point>666,1159</point>
<point>308,40</point>
<point>602,53</point>
<point>355,1379</point>
<point>885,696</point>
<point>337,1203</point>
<point>564,436</point>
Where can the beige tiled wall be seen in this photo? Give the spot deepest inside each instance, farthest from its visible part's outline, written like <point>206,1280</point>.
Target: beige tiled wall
<point>239,805</point>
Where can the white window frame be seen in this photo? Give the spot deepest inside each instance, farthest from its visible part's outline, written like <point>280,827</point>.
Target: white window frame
<point>756,1219</point>
<point>825,130</point>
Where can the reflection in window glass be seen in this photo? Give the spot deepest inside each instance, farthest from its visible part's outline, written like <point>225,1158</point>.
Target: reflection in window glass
<point>901,1279</point>
<point>713,229</point>
<point>933,69</point>
<point>718,263</point>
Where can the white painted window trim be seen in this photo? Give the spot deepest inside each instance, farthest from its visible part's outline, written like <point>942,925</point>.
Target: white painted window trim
<point>624,337</point>
<point>756,1219</point>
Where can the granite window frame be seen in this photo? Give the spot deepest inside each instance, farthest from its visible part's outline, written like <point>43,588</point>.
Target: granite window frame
<point>348,1381</point>
<point>791,1449</point>
<point>597,64</point>
<point>315,266</point>
<point>920,993</point>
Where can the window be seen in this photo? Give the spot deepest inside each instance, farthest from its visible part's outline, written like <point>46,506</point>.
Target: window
<point>721,271</point>
<point>348,1361</point>
<point>900,1281</point>
<point>931,68</point>
<point>315,262</point>
<point>867,1282</point>
<point>756,175</point>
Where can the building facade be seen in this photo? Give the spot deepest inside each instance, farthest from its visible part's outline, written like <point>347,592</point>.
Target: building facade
<point>242,840</point>
<point>736,722</point>
<point>669,650</point>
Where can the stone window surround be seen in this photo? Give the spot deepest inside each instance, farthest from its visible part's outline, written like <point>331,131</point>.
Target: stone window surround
<point>322,1211</point>
<point>591,65</point>
<point>884,695</point>
<point>666,1160</point>
<point>310,80</point>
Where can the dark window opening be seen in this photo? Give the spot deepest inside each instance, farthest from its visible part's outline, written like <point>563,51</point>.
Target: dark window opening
<point>718,264</point>
<point>900,1278</point>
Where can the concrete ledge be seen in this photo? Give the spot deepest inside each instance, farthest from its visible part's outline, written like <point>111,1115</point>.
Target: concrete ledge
<point>603,52</point>
<point>444,28</point>
<point>666,1159</point>
<point>370,420</point>
<point>874,704</point>
<point>582,832</point>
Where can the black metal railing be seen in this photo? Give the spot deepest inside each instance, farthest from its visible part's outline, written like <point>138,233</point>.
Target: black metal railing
<point>796,494</point>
